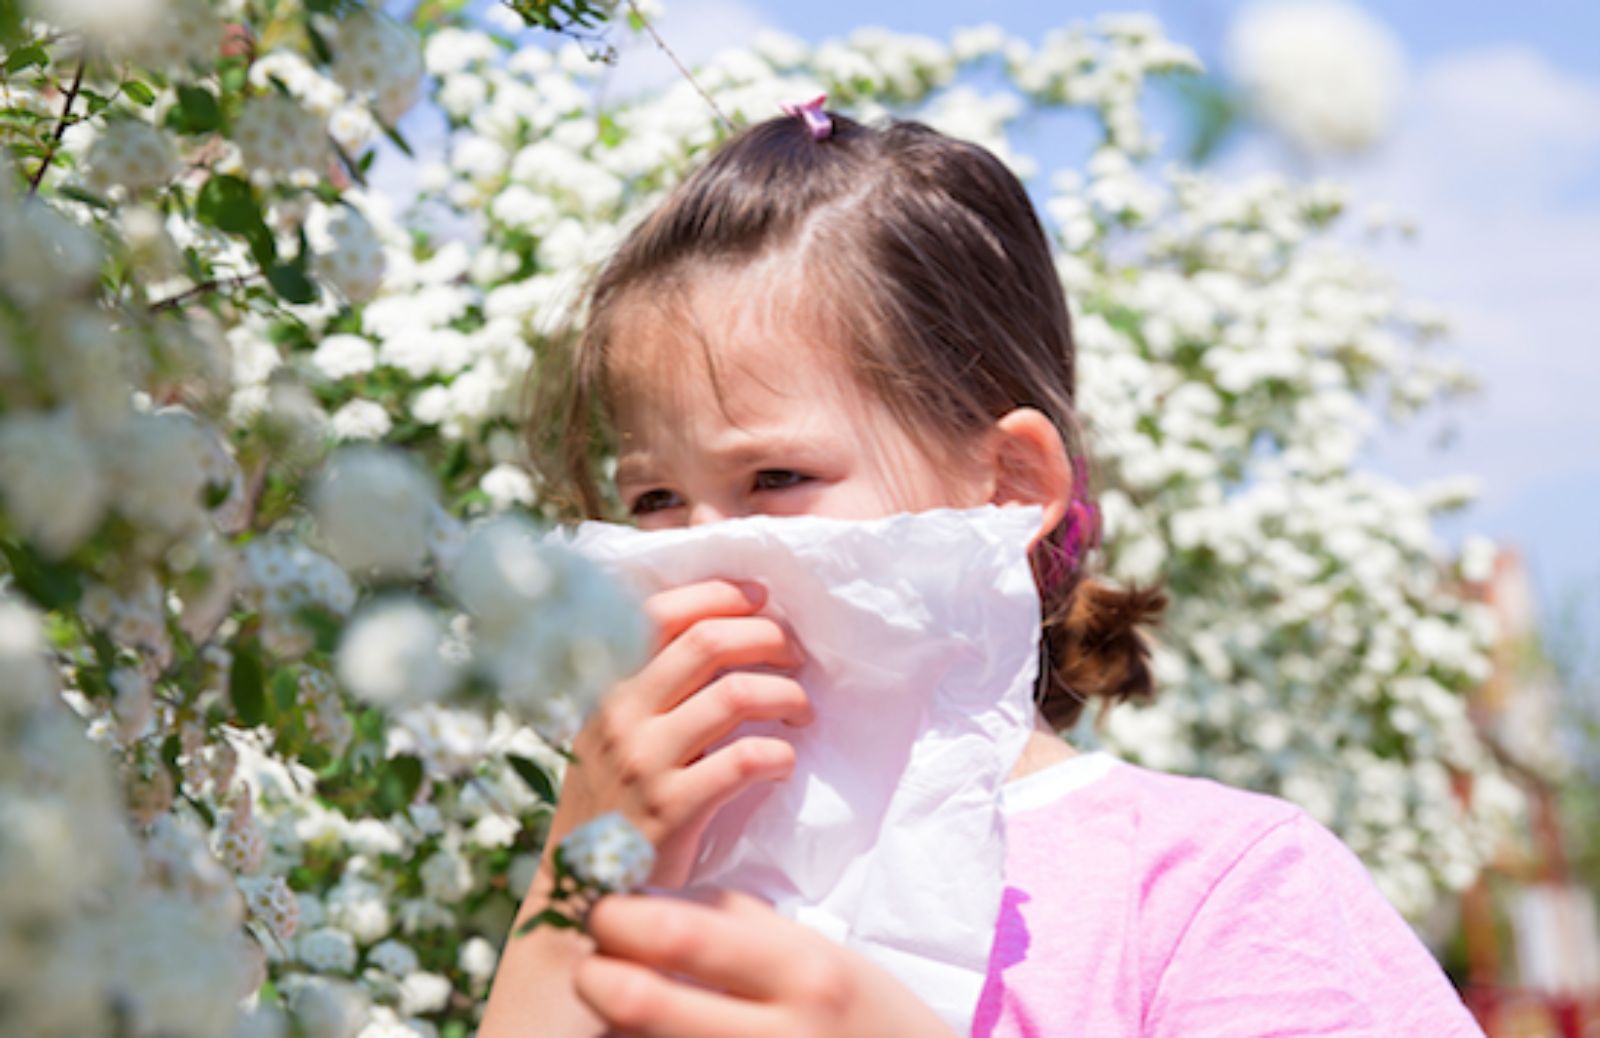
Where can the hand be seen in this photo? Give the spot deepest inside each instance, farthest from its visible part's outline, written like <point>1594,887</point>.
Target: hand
<point>727,966</point>
<point>643,753</point>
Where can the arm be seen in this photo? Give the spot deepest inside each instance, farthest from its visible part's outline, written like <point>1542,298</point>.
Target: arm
<point>643,754</point>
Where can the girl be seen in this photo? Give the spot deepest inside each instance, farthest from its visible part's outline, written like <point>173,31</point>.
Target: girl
<point>836,320</point>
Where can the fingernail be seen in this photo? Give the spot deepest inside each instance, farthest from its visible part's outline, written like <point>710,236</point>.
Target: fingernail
<point>755,593</point>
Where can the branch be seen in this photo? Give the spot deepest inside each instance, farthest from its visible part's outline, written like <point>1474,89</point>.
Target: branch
<point>61,128</point>
<point>173,302</point>
<point>633,8</point>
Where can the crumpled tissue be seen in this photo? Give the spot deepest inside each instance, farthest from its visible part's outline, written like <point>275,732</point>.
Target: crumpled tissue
<point>921,637</point>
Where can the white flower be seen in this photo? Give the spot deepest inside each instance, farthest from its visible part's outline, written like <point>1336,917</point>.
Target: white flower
<point>102,22</point>
<point>361,420</point>
<point>133,155</point>
<point>608,853</point>
<point>359,907</point>
<point>43,255</point>
<point>49,480</point>
<point>390,655</point>
<point>477,958</point>
<point>276,135</point>
<point>349,254</point>
<point>423,993</point>
<point>188,33</point>
<point>554,630</point>
<point>1324,73</point>
<point>270,900</point>
<point>452,50</point>
<point>188,982</point>
<point>446,876</point>
<point>327,950</point>
<point>373,508</point>
<point>132,703</point>
<point>377,57</point>
<point>30,679</point>
<point>341,356</point>
<point>238,840</point>
<point>507,485</point>
<point>393,957</point>
<point>325,1008</point>
<point>159,473</point>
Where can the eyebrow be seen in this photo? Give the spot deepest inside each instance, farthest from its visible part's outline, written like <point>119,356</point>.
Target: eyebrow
<point>638,466</point>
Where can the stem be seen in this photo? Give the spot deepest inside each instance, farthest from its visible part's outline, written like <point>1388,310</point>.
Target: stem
<point>61,128</point>
<point>350,165</point>
<point>633,8</point>
<point>173,302</point>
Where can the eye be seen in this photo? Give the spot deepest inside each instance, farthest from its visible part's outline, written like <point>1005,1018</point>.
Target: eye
<point>779,479</point>
<point>653,501</point>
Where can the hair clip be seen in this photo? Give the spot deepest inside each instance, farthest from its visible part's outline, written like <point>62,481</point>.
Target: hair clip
<point>812,115</point>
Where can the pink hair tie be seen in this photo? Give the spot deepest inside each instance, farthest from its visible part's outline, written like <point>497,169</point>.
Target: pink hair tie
<point>811,113</point>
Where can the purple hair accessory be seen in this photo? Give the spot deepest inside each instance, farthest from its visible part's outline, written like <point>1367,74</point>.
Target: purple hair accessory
<point>811,113</point>
<point>1060,556</point>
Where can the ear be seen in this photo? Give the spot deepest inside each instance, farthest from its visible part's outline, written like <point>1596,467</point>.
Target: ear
<point>1031,466</point>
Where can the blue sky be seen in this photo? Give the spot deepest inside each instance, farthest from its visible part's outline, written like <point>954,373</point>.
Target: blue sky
<point>1497,158</point>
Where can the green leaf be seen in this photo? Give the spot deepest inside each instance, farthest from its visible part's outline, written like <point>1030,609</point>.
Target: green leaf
<point>549,917</point>
<point>78,194</point>
<point>536,777</point>
<point>139,93</point>
<point>52,585</point>
<point>394,135</point>
<point>319,45</point>
<point>27,57</point>
<point>401,778</point>
<point>11,25</point>
<point>246,685</point>
<point>229,204</point>
<point>98,102</point>
<point>197,111</point>
<point>291,284</point>
<point>285,690</point>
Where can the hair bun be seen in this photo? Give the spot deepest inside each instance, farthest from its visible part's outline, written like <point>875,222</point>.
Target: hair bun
<point>1098,651</point>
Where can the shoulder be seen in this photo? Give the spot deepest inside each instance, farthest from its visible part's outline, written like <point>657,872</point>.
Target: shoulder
<point>1173,822</point>
<point>1241,906</point>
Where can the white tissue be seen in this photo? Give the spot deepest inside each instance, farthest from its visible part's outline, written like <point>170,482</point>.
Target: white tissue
<point>921,633</point>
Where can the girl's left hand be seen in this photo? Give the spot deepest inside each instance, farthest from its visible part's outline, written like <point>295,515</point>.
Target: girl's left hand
<point>725,965</point>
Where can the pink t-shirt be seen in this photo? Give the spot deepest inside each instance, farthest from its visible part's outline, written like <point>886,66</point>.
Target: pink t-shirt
<point>1139,903</point>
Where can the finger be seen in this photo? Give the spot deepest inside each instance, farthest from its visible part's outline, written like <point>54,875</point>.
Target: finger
<point>639,1001</point>
<point>683,734</point>
<point>737,954</point>
<point>708,647</point>
<point>672,611</point>
<point>723,775</point>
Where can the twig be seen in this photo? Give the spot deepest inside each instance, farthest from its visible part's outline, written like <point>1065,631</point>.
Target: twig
<point>173,302</point>
<point>633,8</point>
<point>61,128</point>
<point>350,165</point>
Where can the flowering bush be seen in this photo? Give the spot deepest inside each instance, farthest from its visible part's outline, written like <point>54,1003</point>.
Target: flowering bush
<point>278,633</point>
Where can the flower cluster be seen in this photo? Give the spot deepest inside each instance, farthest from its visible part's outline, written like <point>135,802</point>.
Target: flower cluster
<point>606,855</point>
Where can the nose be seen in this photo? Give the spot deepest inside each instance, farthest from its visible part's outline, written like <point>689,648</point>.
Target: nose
<point>703,512</point>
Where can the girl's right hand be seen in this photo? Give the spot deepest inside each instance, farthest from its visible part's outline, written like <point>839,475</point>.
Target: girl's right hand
<point>643,751</point>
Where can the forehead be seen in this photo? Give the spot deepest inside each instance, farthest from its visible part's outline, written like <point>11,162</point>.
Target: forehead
<point>749,343</point>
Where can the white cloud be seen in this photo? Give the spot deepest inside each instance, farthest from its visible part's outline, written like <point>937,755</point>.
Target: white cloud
<point>1490,161</point>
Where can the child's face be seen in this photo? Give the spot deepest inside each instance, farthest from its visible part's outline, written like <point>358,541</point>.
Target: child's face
<point>779,427</point>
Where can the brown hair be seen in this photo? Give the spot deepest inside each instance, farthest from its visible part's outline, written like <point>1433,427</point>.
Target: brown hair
<point>940,276</point>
